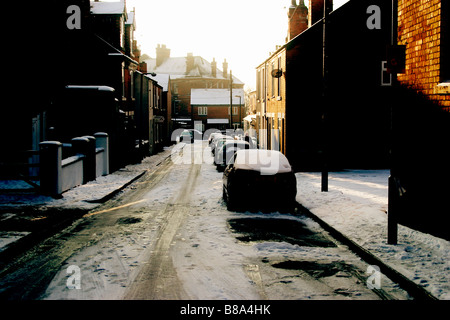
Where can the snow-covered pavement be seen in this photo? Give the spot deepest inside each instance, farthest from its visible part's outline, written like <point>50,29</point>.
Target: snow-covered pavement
<point>356,205</point>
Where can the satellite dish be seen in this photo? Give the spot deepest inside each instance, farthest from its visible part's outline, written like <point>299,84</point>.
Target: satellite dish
<point>276,73</point>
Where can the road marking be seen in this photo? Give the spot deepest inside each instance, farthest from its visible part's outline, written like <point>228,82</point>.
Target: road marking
<point>112,209</point>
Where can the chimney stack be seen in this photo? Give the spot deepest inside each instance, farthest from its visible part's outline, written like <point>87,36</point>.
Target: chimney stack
<point>162,54</point>
<point>298,19</point>
<point>316,10</point>
<point>225,68</point>
<point>189,62</point>
<point>214,68</point>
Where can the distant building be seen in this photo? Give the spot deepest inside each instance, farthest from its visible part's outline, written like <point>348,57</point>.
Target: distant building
<point>211,108</point>
<point>186,73</point>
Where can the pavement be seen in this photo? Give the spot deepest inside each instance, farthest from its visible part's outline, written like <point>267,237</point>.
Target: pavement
<point>27,217</point>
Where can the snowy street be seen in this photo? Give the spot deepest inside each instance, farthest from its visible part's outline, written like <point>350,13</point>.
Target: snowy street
<point>170,236</point>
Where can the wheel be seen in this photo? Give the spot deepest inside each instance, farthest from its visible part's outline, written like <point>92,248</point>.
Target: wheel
<point>231,205</point>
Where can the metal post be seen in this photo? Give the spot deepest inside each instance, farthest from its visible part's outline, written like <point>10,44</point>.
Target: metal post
<point>240,116</point>
<point>327,8</point>
<point>231,100</point>
<point>392,228</point>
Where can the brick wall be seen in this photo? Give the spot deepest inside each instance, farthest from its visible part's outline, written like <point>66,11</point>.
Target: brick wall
<point>419,28</point>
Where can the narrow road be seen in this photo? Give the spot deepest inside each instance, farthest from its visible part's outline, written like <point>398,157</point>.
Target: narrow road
<point>169,236</point>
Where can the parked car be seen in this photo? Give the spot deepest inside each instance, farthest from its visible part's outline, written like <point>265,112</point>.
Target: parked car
<point>257,177</point>
<point>212,136</point>
<point>218,142</point>
<point>187,136</point>
<point>227,151</point>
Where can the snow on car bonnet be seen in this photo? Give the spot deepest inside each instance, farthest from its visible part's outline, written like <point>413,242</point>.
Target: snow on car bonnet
<point>265,161</point>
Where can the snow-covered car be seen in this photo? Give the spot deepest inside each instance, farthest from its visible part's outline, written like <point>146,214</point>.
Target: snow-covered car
<point>212,136</point>
<point>218,142</point>
<point>186,136</point>
<point>259,177</point>
<point>227,151</point>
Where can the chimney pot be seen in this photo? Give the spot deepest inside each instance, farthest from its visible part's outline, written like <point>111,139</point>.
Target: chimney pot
<point>189,62</point>
<point>225,68</point>
<point>214,68</point>
<point>298,19</point>
<point>162,54</point>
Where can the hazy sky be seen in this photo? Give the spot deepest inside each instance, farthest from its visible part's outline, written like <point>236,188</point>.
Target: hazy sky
<point>241,31</point>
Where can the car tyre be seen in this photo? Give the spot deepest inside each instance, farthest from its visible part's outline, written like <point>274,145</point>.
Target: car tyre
<point>231,205</point>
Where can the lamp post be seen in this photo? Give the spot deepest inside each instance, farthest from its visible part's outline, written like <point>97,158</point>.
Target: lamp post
<point>327,8</point>
<point>231,100</point>
<point>392,223</point>
<point>240,117</point>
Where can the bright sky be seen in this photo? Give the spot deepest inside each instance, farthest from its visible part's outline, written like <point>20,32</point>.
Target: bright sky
<point>241,31</point>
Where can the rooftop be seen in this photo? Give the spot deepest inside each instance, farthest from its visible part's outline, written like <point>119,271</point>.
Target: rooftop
<point>216,96</point>
<point>108,7</point>
<point>176,68</point>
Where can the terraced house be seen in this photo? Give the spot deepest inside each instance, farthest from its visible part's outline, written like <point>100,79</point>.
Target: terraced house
<point>353,125</point>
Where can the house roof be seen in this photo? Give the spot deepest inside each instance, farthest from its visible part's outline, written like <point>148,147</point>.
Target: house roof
<point>131,19</point>
<point>162,79</point>
<point>108,7</point>
<point>176,68</point>
<point>217,97</point>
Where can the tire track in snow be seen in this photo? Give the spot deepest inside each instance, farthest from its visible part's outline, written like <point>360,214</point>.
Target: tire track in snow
<point>159,280</point>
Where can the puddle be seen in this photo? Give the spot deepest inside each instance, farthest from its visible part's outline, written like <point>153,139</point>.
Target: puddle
<point>278,230</point>
<point>316,269</point>
<point>128,220</point>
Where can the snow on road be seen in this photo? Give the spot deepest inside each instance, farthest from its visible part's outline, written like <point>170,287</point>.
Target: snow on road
<point>210,262</point>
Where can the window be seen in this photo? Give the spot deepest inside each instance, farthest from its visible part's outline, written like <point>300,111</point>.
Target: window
<point>279,78</point>
<point>202,111</point>
<point>235,111</point>
<point>132,83</point>
<point>273,80</point>
<point>386,78</point>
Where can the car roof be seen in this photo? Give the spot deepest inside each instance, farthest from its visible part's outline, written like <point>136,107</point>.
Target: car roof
<point>225,138</point>
<point>229,141</point>
<point>264,161</point>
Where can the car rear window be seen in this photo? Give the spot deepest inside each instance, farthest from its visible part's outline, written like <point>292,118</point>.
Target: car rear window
<point>264,161</point>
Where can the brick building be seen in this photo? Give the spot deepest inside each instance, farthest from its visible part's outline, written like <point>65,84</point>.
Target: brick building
<point>361,117</point>
<point>211,108</point>
<point>290,104</point>
<point>423,26</point>
<point>77,42</point>
<point>186,73</point>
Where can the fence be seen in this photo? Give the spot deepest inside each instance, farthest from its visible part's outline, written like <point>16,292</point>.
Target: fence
<point>90,160</point>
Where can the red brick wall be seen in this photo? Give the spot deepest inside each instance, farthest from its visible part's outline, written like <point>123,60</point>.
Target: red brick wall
<point>419,28</point>
<point>298,21</point>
